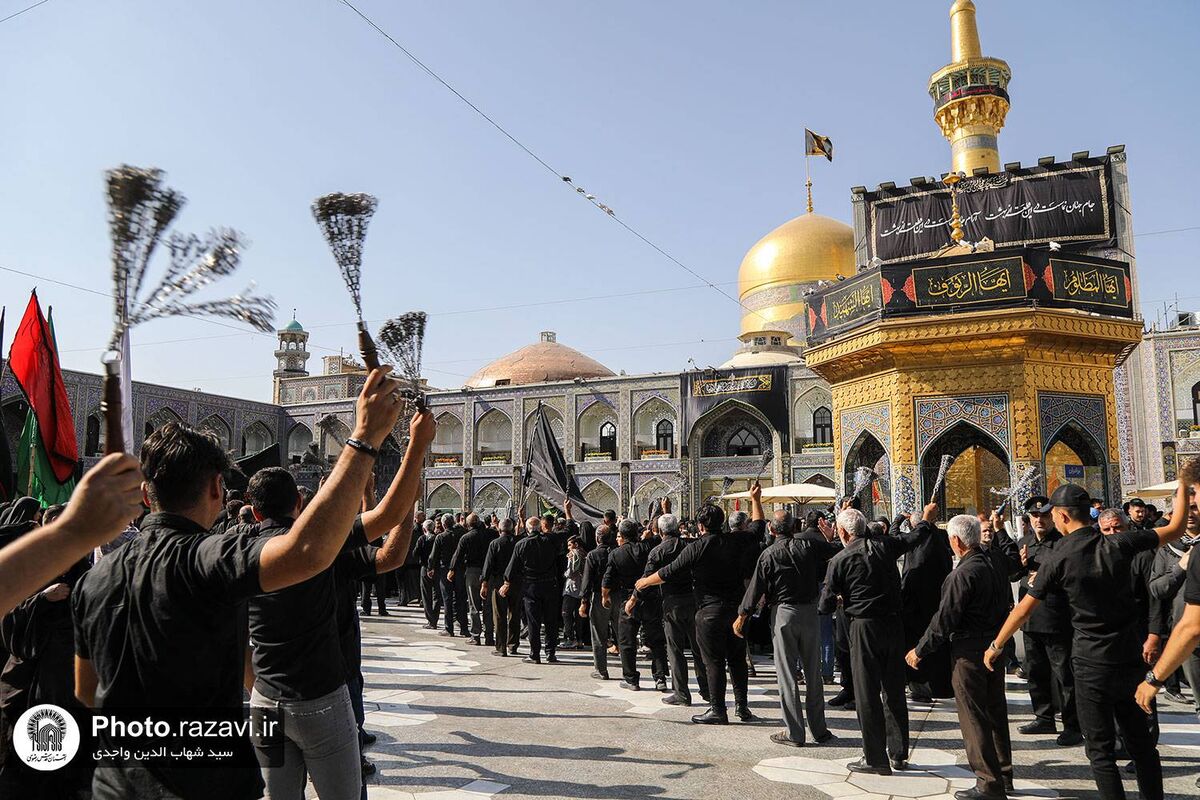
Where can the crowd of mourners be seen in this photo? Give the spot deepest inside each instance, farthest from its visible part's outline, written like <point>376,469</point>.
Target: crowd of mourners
<point>214,599</point>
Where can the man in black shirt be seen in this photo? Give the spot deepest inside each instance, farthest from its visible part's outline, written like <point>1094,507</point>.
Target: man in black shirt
<point>1047,635</point>
<point>431,600</point>
<point>1171,566</point>
<point>468,560</point>
<point>638,611</point>
<point>716,563</point>
<point>974,604</point>
<point>534,567</point>
<point>864,575</point>
<point>602,619</point>
<point>506,622</point>
<point>298,664</point>
<point>1185,636</point>
<point>679,614</point>
<point>158,621</point>
<point>454,590</point>
<point>1092,570</point>
<point>788,577</point>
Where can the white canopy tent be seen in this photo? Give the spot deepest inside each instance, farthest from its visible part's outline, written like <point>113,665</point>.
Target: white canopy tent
<point>802,493</point>
<point>1158,490</point>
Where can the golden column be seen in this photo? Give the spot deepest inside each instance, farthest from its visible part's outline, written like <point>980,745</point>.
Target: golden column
<point>970,95</point>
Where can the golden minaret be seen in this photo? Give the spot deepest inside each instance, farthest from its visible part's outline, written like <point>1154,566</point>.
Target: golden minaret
<point>970,95</point>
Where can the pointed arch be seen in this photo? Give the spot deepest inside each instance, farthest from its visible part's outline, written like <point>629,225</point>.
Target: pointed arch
<point>1073,455</point>
<point>93,435</point>
<point>596,430</point>
<point>447,447</point>
<point>298,440</point>
<point>709,433</point>
<point>601,495</point>
<point>492,498</point>
<point>654,429</point>
<point>164,416</point>
<point>493,438</point>
<point>556,425</point>
<point>217,426</point>
<point>649,492</point>
<point>256,437</point>
<point>334,434</point>
<point>444,498</point>
<point>964,437</point>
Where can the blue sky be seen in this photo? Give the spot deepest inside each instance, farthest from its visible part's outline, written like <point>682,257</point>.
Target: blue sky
<point>686,117</point>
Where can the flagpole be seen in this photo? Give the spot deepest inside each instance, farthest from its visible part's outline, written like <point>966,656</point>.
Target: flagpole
<point>808,180</point>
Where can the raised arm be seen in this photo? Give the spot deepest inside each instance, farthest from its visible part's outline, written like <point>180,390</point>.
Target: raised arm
<point>395,547</point>
<point>402,494</point>
<point>1179,515</point>
<point>318,535</point>
<point>104,502</point>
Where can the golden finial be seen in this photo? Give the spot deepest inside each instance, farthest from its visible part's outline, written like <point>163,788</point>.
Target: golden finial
<point>956,227</point>
<point>964,33</point>
<point>808,186</point>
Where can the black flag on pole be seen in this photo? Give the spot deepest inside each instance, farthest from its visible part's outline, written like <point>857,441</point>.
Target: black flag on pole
<point>7,479</point>
<point>817,145</point>
<point>546,471</point>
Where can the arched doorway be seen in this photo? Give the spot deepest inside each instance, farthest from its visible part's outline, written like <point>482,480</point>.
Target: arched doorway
<point>1074,456</point>
<point>867,452</point>
<point>732,441</point>
<point>980,465</point>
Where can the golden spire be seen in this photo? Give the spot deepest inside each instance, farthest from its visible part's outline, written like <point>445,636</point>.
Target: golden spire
<point>964,34</point>
<point>970,95</point>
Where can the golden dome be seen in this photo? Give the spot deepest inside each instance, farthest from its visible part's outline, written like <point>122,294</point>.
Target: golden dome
<point>798,253</point>
<point>542,362</point>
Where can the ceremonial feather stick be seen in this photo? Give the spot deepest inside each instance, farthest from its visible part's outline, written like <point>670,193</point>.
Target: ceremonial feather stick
<point>726,483</point>
<point>343,220</point>
<point>767,458</point>
<point>1024,482</point>
<point>403,339</point>
<point>140,209</point>
<point>943,468</point>
<point>863,478</point>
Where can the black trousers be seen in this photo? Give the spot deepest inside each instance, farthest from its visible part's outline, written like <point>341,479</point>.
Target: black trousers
<point>542,607</point>
<point>877,658</point>
<point>454,601</point>
<point>409,584</point>
<point>719,647</point>
<point>649,623</point>
<point>380,584</point>
<point>602,621</point>
<point>1104,696</point>
<point>506,614</point>
<point>982,715</point>
<point>841,651</point>
<point>679,625</point>
<point>572,625</point>
<point>431,600</point>
<point>1051,678</point>
<point>481,612</point>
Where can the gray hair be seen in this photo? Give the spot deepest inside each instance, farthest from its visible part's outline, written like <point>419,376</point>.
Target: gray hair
<point>965,528</point>
<point>737,520</point>
<point>533,525</point>
<point>852,521</point>
<point>1121,516</point>
<point>428,525</point>
<point>507,526</point>
<point>447,521</point>
<point>668,524</point>
<point>629,530</point>
<point>782,523</point>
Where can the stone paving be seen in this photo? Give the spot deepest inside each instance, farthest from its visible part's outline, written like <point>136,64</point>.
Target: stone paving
<point>457,723</point>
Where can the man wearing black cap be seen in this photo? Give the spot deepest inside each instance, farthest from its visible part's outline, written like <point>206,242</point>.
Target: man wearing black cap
<point>1047,633</point>
<point>1093,570</point>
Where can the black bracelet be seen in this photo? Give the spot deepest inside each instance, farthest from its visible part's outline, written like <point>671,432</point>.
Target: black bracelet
<point>362,447</point>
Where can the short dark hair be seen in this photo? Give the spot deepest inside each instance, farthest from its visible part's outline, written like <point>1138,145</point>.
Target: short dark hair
<point>52,513</point>
<point>233,507</point>
<point>178,461</point>
<point>711,517</point>
<point>1189,473</point>
<point>273,493</point>
<point>812,519</point>
<point>606,536</point>
<point>1078,513</point>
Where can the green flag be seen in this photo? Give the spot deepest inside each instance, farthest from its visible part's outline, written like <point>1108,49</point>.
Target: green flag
<point>35,476</point>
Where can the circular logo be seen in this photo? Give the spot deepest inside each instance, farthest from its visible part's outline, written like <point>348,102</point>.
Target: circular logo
<point>46,737</point>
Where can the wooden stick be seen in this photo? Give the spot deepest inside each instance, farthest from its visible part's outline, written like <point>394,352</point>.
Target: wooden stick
<point>110,406</point>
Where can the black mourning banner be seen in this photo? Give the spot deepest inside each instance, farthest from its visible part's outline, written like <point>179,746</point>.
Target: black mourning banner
<point>245,467</point>
<point>844,305</point>
<point>1064,205</point>
<point>762,388</point>
<point>546,472</point>
<point>968,284</point>
<point>1079,281</point>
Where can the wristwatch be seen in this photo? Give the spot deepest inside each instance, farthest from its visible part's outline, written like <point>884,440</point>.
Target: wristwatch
<point>1153,681</point>
<point>995,649</point>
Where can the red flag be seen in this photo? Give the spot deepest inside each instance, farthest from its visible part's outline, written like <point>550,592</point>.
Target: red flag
<point>34,364</point>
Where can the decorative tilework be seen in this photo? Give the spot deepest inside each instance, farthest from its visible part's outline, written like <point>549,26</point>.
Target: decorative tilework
<point>987,412</point>
<point>1125,429</point>
<point>904,488</point>
<point>655,465</point>
<point>732,467</point>
<point>1058,410</point>
<point>875,419</point>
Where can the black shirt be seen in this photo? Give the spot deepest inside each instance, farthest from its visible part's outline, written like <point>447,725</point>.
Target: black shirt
<point>499,553</point>
<point>864,574</point>
<point>1093,570</point>
<point>162,620</point>
<point>356,561</point>
<point>595,563</point>
<point>423,549</point>
<point>788,572</point>
<point>1191,588</point>
<point>534,559</point>
<point>717,562</point>
<point>444,546</point>
<point>626,564</point>
<point>663,554</point>
<point>1053,616</point>
<point>472,549</point>
<point>294,634</point>
<point>974,605</point>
